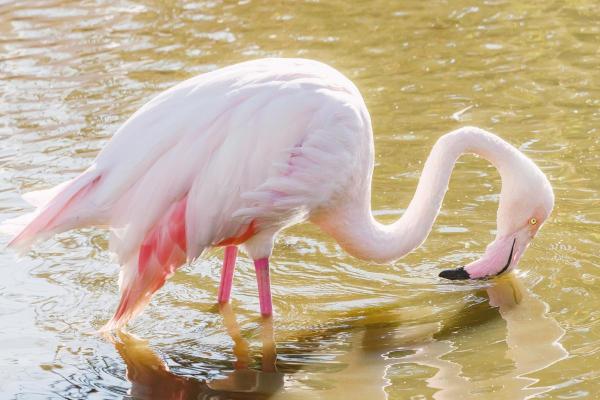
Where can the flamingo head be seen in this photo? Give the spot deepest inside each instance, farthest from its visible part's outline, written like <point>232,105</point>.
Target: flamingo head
<point>526,201</point>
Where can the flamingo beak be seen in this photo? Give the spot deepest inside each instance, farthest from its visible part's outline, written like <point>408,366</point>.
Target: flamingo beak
<point>455,274</point>
<point>500,256</point>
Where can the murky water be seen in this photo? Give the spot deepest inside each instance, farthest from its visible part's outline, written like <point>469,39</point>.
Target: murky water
<point>72,71</point>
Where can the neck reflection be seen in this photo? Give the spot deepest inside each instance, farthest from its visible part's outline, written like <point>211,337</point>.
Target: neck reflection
<point>533,341</point>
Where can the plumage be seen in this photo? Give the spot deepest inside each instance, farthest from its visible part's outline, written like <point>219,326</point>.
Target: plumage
<point>230,158</point>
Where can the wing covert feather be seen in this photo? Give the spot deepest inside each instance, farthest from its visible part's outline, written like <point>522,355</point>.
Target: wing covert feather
<point>269,139</point>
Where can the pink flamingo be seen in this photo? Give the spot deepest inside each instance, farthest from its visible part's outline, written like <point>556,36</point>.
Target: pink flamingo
<point>232,157</point>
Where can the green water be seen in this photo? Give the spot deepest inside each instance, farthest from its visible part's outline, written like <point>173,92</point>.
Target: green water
<point>71,72</point>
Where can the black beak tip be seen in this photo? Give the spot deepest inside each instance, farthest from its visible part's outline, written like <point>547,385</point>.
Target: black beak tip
<point>455,274</point>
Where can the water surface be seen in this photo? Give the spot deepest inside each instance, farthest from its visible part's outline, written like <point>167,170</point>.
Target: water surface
<point>72,71</point>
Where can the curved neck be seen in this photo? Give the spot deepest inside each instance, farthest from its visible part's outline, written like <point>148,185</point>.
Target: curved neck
<point>357,231</point>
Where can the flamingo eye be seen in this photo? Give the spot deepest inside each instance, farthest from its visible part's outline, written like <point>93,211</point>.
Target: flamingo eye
<point>532,221</point>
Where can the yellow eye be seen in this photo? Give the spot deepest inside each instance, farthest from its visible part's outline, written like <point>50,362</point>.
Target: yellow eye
<point>532,221</point>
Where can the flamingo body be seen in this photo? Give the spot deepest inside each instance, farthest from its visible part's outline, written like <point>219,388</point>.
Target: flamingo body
<point>226,158</point>
<point>233,156</point>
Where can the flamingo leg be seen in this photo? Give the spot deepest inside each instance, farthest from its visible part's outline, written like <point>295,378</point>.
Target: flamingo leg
<point>227,274</point>
<point>264,286</point>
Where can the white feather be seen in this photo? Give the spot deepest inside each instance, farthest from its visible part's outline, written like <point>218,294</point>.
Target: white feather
<point>247,137</point>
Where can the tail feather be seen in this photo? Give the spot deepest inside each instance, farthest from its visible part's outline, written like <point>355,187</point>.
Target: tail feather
<point>39,198</point>
<point>71,205</point>
<point>59,209</point>
<point>161,253</point>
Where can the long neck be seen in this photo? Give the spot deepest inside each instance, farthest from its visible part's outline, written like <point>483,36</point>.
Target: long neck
<point>357,231</point>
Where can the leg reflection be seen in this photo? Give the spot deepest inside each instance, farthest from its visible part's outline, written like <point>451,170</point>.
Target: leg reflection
<point>243,379</point>
<point>240,345</point>
<point>151,378</point>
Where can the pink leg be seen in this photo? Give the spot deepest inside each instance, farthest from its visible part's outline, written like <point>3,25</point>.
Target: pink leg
<point>227,274</point>
<point>264,286</point>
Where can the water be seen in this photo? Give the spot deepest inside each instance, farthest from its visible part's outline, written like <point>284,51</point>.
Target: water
<point>72,71</point>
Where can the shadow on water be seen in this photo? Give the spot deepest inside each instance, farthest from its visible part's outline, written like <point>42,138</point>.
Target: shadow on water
<point>532,338</point>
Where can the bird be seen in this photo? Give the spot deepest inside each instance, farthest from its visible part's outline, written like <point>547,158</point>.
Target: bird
<point>231,157</point>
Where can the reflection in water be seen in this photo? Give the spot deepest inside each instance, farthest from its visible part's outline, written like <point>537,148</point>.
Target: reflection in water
<point>151,378</point>
<point>533,344</point>
<point>532,338</point>
<point>149,375</point>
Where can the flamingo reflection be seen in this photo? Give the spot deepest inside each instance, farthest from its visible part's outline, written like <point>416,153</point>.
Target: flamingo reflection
<point>532,337</point>
<point>533,340</point>
<point>151,378</point>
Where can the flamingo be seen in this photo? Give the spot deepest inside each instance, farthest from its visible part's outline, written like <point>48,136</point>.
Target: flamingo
<point>231,157</point>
